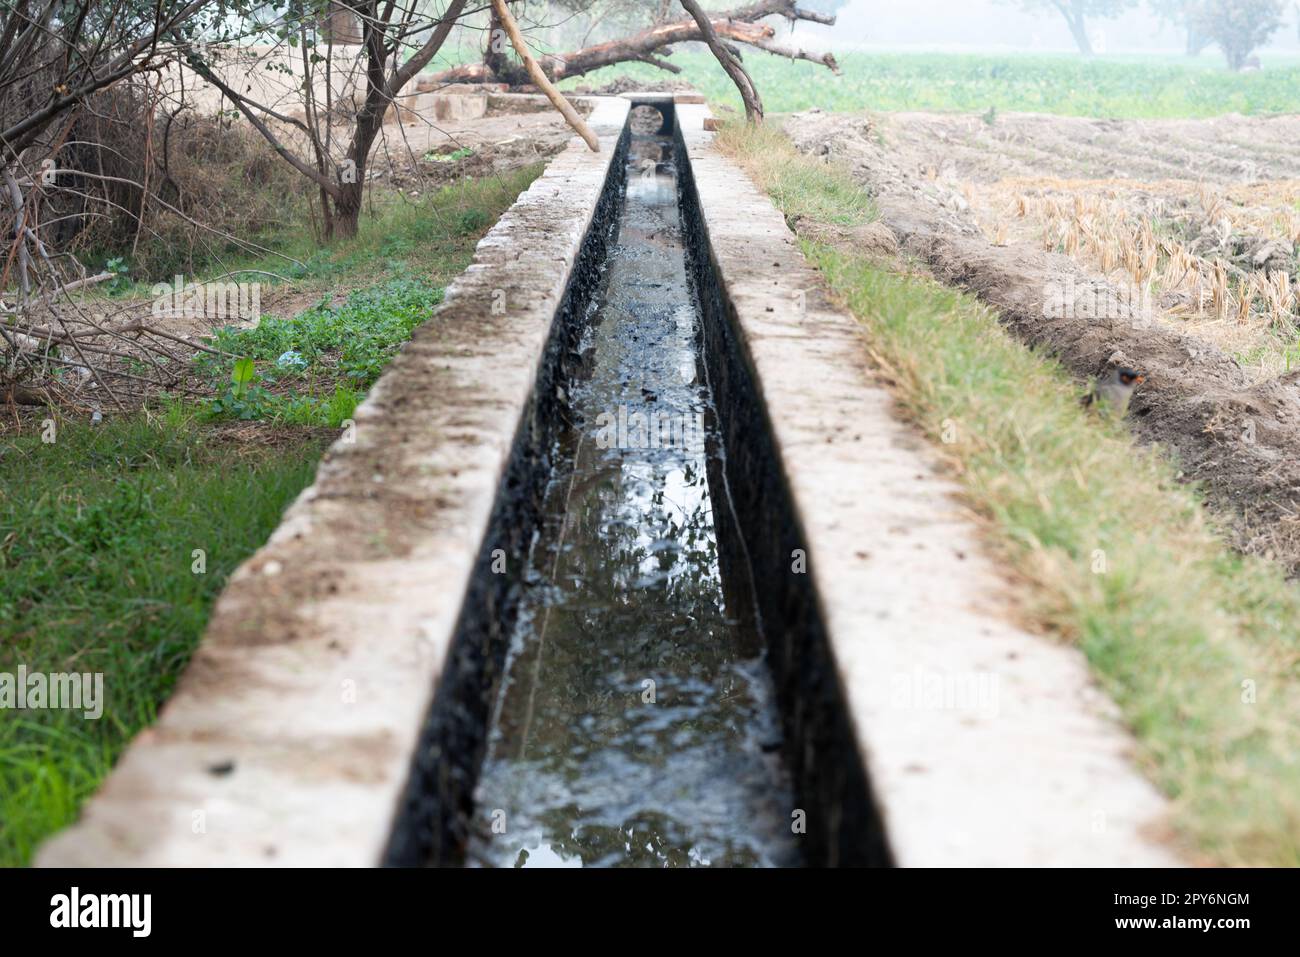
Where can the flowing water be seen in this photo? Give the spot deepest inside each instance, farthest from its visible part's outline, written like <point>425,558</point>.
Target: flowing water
<point>636,724</point>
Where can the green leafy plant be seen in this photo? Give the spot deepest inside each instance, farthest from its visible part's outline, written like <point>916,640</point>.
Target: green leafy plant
<point>471,221</point>
<point>452,157</point>
<point>241,398</point>
<point>121,271</point>
<point>242,375</point>
<point>340,347</point>
<point>252,402</point>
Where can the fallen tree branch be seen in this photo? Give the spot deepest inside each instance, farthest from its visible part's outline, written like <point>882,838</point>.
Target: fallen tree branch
<point>539,78</point>
<point>737,26</point>
<point>826,19</point>
<point>799,53</point>
<point>88,281</point>
<point>660,63</point>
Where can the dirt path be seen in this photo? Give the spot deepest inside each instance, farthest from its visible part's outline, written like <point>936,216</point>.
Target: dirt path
<point>1235,435</point>
<point>424,152</point>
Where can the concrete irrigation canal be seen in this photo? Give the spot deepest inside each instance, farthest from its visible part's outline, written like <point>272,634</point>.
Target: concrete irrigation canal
<point>636,721</point>
<point>627,561</point>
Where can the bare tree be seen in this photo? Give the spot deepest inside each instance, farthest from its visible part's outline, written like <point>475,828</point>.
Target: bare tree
<point>1239,27</point>
<point>55,57</point>
<point>398,39</point>
<point>55,53</point>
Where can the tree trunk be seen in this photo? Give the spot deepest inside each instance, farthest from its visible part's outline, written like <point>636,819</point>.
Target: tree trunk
<point>1196,41</point>
<point>347,213</point>
<point>1079,27</point>
<point>347,204</point>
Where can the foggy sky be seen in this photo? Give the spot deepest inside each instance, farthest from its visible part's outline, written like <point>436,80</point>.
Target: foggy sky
<point>999,26</point>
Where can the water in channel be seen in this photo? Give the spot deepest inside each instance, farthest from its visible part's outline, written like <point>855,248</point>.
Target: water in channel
<point>636,724</point>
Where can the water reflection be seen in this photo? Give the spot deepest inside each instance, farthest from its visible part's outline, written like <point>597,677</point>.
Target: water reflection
<point>635,726</point>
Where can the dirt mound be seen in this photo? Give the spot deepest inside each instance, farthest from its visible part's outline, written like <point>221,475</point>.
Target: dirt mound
<point>1236,439</point>
<point>428,156</point>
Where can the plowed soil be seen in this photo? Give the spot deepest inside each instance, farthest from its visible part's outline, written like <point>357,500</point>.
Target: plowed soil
<point>1220,394</point>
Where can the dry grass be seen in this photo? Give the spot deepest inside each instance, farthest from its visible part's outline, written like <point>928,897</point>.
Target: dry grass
<point>182,191</point>
<point>1186,247</point>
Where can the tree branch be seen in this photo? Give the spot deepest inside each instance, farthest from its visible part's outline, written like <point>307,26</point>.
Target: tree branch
<point>738,26</point>
<point>539,78</point>
<point>730,62</point>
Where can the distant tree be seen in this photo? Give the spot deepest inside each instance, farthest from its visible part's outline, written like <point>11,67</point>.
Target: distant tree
<point>1179,13</point>
<point>1238,26</point>
<point>1077,13</point>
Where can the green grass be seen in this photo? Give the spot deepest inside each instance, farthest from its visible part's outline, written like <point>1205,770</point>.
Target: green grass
<point>1068,85</point>
<point>98,529</point>
<point>345,347</point>
<point>830,197</point>
<point>97,538</point>
<point>1114,553</point>
<point>1290,356</point>
<point>434,235</point>
<point>313,367</point>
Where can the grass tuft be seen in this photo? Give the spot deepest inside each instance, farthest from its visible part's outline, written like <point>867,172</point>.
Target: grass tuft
<point>98,533</point>
<point>826,194</point>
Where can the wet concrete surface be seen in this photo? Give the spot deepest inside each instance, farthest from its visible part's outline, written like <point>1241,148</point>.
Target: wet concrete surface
<point>636,723</point>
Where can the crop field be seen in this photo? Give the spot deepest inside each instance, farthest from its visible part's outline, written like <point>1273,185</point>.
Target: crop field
<point>1220,264</point>
<point>1066,85</point>
<point>1171,175</point>
<point>1197,219</point>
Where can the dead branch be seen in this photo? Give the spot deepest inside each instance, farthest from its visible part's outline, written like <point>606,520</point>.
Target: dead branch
<point>738,26</point>
<point>799,53</point>
<point>730,62</point>
<point>539,78</point>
